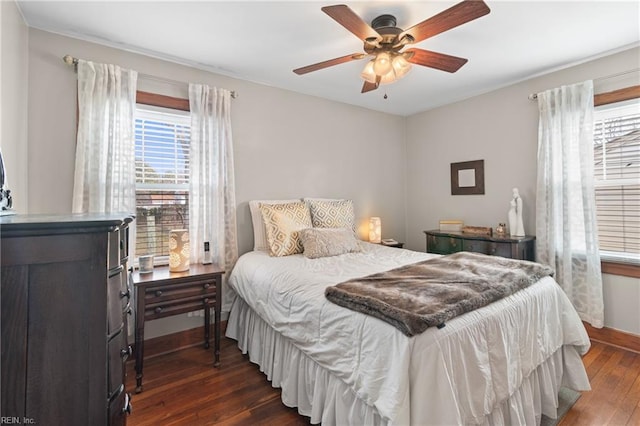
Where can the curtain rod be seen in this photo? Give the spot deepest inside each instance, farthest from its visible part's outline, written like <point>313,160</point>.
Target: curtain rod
<point>534,96</point>
<point>72,61</point>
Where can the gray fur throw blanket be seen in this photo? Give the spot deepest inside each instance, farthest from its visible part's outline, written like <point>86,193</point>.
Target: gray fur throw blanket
<point>415,297</point>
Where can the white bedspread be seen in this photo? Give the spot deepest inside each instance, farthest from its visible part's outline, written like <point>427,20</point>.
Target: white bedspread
<point>474,363</point>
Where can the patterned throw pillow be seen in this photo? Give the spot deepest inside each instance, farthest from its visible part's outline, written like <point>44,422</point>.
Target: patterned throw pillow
<point>283,223</point>
<point>324,242</point>
<point>332,213</point>
<point>259,231</point>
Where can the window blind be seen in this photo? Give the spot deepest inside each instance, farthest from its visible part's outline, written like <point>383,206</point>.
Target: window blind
<point>162,178</point>
<point>617,180</point>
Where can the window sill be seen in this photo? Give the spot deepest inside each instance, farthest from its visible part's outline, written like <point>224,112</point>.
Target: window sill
<point>624,269</point>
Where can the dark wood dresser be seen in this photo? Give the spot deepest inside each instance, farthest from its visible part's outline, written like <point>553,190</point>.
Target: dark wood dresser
<point>65,301</point>
<point>450,242</point>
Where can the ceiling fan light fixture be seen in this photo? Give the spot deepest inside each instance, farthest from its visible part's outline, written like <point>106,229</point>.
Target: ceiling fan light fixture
<point>382,63</point>
<point>401,66</point>
<point>389,77</point>
<point>368,74</point>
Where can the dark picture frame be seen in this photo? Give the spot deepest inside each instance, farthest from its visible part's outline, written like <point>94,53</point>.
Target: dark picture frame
<point>467,178</point>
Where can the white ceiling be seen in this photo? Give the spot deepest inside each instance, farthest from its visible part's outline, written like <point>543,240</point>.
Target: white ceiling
<point>264,41</point>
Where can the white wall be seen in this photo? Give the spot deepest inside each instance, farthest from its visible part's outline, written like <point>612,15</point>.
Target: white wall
<point>286,144</point>
<point>501,127</point>
<point>13,104</point>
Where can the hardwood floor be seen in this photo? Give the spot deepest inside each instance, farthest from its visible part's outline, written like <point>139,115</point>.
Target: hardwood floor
<point>182,388</point>
<point>614,398</point>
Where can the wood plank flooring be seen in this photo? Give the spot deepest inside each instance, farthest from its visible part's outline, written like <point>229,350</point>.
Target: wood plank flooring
<point>182,388</point>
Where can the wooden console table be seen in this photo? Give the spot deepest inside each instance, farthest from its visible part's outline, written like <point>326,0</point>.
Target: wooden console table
<point>162,294</point>
<point>450,242</point>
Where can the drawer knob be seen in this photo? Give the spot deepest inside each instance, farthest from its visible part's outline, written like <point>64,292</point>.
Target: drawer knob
<point>206,300</point>
<point>158,293</point>
<point>206,286</point>
<point>158,309</point>
<point>126,352</point>
<point>127,404</point>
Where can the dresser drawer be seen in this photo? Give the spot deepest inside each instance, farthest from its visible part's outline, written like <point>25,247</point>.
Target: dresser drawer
<point>114,258</point>
<point>487,247</point>
<point>118,352</point>
<point>167,292</point>
<point>443,245</point>
<point>115,300</point>
<point>124,245</point>
<point>178,306</point>
<point>119,408</point>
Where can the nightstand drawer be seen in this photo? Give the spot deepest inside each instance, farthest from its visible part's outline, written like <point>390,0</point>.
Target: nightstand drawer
<point>178,306</point>
<point>443,245</point>
<point>168,292</point>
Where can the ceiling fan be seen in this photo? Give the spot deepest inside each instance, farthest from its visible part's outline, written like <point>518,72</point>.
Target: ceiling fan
<point>384,42</point>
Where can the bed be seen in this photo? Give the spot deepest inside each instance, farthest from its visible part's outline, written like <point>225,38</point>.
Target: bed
<point>502,364</point>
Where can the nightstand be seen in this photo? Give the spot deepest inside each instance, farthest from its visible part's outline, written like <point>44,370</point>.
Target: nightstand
<point>162,294</point>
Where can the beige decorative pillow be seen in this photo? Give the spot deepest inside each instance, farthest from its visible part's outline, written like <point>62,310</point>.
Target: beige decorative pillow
<point>332,213</point>
<point>283,223</point>
<point>259,232</point>
<point>324,242</point>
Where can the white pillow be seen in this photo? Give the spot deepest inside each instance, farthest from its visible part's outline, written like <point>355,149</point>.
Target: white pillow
<point>260,242</point>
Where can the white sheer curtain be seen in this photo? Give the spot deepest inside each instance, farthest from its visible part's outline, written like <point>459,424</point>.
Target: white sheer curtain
<point>105,180</point>
<point>566,228</point>
<point>212,202</point>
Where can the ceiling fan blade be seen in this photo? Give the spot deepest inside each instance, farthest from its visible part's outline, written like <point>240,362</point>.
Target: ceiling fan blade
<point>346,17</point>
<point>329,63</point>
<point>368,87</point>
<point>435,60</point>
<point>456,15</point>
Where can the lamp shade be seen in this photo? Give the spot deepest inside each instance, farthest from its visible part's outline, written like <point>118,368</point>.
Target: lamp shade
<point>375,230</point>
<point>179,250</point>
<point>367,73</point>
<point>382,63</point>
<point>401,66</point>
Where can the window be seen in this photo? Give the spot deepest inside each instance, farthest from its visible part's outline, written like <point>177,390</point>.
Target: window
<point>617,180</point>
<point>162,177</point>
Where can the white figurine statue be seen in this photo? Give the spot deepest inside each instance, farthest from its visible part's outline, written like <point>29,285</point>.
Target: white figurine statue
<point>516,226</point>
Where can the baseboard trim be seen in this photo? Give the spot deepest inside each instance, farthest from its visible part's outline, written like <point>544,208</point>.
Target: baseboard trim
<point>613,337</point>
<point>173,342</point>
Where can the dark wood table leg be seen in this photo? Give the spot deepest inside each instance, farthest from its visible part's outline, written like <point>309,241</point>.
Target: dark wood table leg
<point>216,318</point>
<point>207,323</point>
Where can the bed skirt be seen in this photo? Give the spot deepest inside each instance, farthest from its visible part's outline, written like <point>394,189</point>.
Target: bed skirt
<point>326,399</point>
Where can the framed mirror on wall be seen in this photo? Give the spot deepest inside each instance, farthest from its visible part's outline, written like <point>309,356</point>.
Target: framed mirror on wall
<point>467,178</point>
